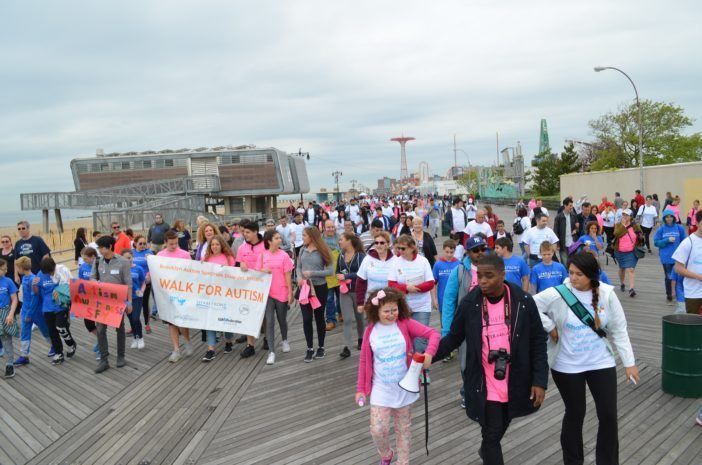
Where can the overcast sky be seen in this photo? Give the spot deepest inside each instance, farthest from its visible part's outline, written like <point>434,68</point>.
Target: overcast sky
<point>337,78</point>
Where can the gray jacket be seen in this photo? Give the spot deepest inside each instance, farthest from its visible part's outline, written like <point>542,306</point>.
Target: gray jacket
<point>312,261</point>
<point>117,271</point>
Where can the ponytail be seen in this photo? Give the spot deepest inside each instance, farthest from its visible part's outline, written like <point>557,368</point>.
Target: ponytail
<point>595,301</point>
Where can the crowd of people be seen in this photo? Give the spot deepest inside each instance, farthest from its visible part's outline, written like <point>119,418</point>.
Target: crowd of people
<point>515,297</point>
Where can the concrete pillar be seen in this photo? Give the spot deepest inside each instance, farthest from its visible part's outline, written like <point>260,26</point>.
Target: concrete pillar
<point>45,220</point>
<point>59,220</point>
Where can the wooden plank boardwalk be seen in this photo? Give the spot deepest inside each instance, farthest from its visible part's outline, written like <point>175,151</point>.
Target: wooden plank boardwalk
<point>245,412</point>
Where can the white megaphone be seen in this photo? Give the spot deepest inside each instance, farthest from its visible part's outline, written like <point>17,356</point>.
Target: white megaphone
<point>410,382</point>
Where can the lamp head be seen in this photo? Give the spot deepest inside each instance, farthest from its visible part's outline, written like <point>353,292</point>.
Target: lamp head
<point>599,68</point>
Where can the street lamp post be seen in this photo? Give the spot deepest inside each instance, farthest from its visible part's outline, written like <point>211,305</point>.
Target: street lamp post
<point>638,107</point>
<point>336,175</point>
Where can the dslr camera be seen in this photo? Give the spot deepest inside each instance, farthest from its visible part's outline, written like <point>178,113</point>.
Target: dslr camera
<point>500,358</point>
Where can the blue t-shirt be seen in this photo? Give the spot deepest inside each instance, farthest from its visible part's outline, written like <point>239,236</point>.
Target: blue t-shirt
<point>138,278</point>
<point>140,259</point>
<point>31,302</point>
<point>442,269</point>
<point>7,288</point>
<point>679,288</point>
<point>604,278</point>
<point>35,248</point>
<point>515,269</point>
<point>85,270</point>
<point>586,237</point>
<point>47,286</point>
<point>546,276</point>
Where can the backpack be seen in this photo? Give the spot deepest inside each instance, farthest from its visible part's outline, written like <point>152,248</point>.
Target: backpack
<point>517,227</point>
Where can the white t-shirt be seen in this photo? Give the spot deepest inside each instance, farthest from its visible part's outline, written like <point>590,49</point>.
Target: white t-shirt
<point>474,227</point>
<point>413,273</point>
<point>581,348</point>
<point>387,211</point>
<point>690,252</point>
<point>526,225</point>
<point>285,232</point>
<point>568,230</point>
<point>389,367</point>
<point>460,252</point>
<point>535,236</point>
<point>459,221</point>
<point>648,215</point>
<point>375,272</point>
<point>608,219</point>
<point>353,212</point>
<point>297,229</point>
<point>471,210</point>
<point>544,211</point>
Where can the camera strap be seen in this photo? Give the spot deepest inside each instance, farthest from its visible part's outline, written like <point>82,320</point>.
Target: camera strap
<point>579,309</point>
<point>508,314</point>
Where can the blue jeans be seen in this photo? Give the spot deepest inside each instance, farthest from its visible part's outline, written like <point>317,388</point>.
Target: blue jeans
<point>332,307</point>
<point>668,269</point>
<point>135,318</point>
<point>212,337</point>
<point>28,318</point>
<point>420,344</point>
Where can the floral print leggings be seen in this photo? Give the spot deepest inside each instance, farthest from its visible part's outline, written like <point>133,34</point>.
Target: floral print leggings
<point>380,430</point>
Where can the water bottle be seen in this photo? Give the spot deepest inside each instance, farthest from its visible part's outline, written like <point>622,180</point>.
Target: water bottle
<point>362,401</point>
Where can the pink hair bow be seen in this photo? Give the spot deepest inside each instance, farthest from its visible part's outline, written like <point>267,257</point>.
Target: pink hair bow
<point>380,295</point>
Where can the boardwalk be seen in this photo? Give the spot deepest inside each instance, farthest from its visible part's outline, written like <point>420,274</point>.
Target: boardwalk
<point>235,411</point>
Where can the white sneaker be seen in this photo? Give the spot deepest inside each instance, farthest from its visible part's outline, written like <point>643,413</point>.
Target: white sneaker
<point>187,349</point>
<point>175,356</point>
<point>135,343</point>
<point>271,358</point>
<point>286,346</point>
<point>140,343</point>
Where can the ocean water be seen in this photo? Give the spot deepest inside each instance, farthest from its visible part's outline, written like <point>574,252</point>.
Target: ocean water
<point>10,218</point>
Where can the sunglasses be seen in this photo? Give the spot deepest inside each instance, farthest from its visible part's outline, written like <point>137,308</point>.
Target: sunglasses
<point>7,242</point>
<point>401,249</point>
<point>480,249</point>
<point>21,229</point>
<point>380,243</point>
<point>115,227</point>
<point>141,243</point>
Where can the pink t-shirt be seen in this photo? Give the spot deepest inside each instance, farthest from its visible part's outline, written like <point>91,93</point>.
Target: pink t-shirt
<point>498,333</point>
<point>627,241</point>
<point>247,253</point>
<point>221,259</point>
<point>473,276</point>
<point>279,263</point>
<point>177,253</point>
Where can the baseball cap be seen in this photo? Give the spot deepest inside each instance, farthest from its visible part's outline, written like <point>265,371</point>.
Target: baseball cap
<point>270,222</point>
<point>626,212</point>
<point>475,242</point>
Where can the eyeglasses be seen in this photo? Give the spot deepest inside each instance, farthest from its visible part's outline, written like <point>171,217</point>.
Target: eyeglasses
<point>401,249</point>
<point>21,229</point>
<point>7,242</point>
<point>380,243</point>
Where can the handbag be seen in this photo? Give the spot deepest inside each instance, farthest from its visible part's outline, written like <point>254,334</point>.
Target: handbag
<point>579,309</point>
<point>640,252</point>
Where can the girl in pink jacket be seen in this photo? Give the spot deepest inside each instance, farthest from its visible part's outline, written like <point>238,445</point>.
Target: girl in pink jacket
<point>386,354</point>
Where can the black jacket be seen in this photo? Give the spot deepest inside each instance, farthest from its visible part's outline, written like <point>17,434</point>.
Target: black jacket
<point>528,366</point>
<point>559,227</point>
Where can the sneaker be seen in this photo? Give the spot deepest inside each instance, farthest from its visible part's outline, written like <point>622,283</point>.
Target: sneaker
<point>632,292</point>
<point>622,287</point>
<point>97,356</point>
<point>120,362</point>
<point>699,417</point>
<point>345,353</point>
<point>21,360</point>
<point>463,403</point>
<point>147,328</point>
<point>57,360</point>
<point>320,353</point>
<point>360,343</point>
<point>140,343</point>
<point>248,351</point>
<point>174,357</point>
<point>330,326</point>
<point>102,366</point>
<point>134,343</point>
<point>309,355</point>
<point>340,317</point>
<point>187,349</point>
<point>209,356</point>
<point>154,316</point>
<point>388,460</point>
<point>240,339</point>
<point>271,358</point>
<point>51,353</point>
<point>9,371</point>
<point>228,348</point>
<point>72,350</point>
<point>265,344</point>
<point>285,345</point>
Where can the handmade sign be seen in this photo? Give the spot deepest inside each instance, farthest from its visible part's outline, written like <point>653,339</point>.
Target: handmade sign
<point>101,302</point>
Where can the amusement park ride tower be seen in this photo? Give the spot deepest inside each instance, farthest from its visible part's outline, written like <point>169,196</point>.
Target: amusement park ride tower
<point>403,156</point>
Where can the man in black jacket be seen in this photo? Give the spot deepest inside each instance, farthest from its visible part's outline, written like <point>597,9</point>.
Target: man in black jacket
<point>508,378</point>
<point>566,228</point>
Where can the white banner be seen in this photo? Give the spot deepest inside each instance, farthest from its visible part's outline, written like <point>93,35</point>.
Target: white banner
<point>200,295</point>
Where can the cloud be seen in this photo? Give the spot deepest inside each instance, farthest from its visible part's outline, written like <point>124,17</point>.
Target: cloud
<point>338,79</point>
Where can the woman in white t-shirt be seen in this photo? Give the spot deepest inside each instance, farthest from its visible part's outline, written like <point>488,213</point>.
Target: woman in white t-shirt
<point>411,274</point>
<point>579,353</point>
<point>525,223</point>
<point>647,216</point>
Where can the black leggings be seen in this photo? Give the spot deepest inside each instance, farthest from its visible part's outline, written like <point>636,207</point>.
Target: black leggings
<point>145,303</point>
<point>603,387</point>
<point>308,314</point>
<point>609,234</point>
<point>647,236</point>
<point>58,325</point>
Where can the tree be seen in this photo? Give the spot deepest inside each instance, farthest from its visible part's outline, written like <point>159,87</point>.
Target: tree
<point>569,162</point>
<point>617,136</point>
<point>469,180</point>
<point>547,172</point>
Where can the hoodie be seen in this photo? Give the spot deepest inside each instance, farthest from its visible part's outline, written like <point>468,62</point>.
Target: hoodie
<point>457,286</point>
<point>662,239</point>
